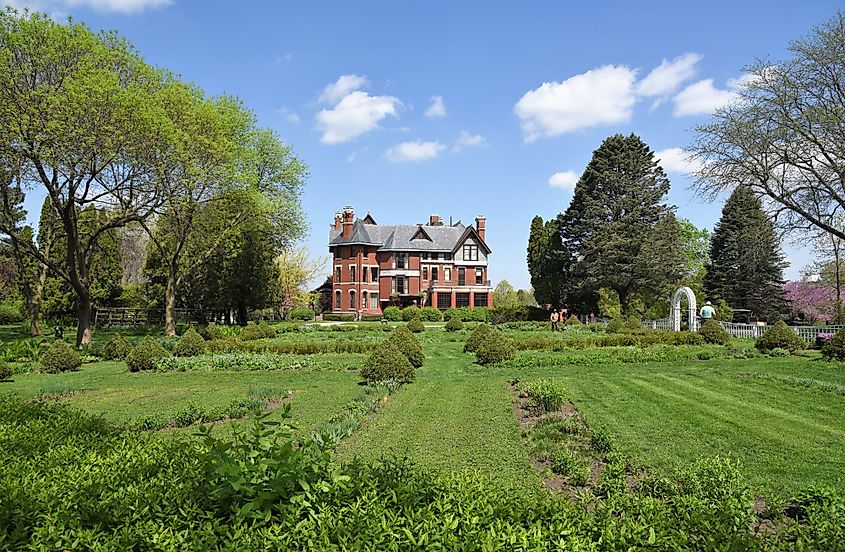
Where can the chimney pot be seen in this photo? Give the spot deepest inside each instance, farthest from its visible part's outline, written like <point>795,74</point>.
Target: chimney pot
<point>481,226</point>
<point>348,219</point>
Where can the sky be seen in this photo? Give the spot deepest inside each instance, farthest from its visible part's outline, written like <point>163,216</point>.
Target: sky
<point>407,109</point>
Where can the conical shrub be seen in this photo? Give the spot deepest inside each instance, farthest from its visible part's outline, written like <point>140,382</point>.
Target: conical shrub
<point>387,363</point>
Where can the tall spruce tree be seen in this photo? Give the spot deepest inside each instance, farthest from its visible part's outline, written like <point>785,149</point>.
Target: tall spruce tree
<point>616,205</point>
<point>746,264</point>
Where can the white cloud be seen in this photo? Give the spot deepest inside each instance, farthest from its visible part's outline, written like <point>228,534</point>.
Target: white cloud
<point>122,6</point>
<point>666,77</point>
<point>354,155</point>
<point>344,85</point>
<point>600,96</point>
<point>565,180</point>
<point>469,140</point>
<point>293,118</point>
<point>437,107</point>
<point>676,160</point>
<point>355,114</point>
<point>414,151</point>
<point>702,98</point>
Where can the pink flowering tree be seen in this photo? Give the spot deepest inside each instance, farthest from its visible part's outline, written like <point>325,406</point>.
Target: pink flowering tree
<point>816,301</point>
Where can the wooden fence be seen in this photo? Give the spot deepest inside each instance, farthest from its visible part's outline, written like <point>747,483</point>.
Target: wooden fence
<point>807,333</point>
<point>130,317</point>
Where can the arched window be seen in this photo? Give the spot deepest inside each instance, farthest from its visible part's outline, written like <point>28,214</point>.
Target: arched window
<point>337,300</point>
<point>352,304</point>
<point>364,300</point>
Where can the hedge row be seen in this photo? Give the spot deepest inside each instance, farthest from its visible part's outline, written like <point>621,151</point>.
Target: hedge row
<point>654,337</point>
<point>303,348</point>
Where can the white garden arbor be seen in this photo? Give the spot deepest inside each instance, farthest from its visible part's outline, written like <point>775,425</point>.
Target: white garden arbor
<point>675,310</point>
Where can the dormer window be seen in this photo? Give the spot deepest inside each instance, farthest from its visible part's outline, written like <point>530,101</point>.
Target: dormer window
<point>470,252</point>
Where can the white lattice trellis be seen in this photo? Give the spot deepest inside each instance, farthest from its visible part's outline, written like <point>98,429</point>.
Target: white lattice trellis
<point>675,311</point>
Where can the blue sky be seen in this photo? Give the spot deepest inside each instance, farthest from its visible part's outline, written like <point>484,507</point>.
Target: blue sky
<point>406,109</point>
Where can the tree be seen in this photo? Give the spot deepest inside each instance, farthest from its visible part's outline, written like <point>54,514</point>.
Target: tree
<point>746,268</point>
<point>294,270</point>
<point>616,204</point>
<point>525,297</point>
<point>783,138</point>
<point>504,295</point>
<point>83,119</point>
<point>814,301</point>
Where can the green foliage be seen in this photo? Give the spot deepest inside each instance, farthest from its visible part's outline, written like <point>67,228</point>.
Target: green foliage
<point>117,348</point>
<point>340,317</point>
<point>251,332</point>
<point>297,347</point>
<point>416,325</point>
<point>60,357</point>
<point>477,336</point>
<point>834,348</point>
<point>5,371</point>
<point>466,314</point>
<point>617,325</point>
<point>454,324</point>
<point>494,348</point>
<point>544,260</point>
<point>213,331</point>
<point>235,362</point>
<point>387,363</point>
<point>546,394</point>
<point>600,440</point>
<point>504,295</point>
<point>190,344</point>
<point>713,332</point>
<point>301,314</point>
<point>10,314</point>
<point>145,355</point>
<point>779,336</point>
<point>633,324</point>
<point>392,314</point>
<point>779,352</point>
<point>609,305</point>
<point>430,314</point>
<point>723,311</point>
<point>409,313</point>
<point>572,321</point>
<point>267,330</point>
<point>408,345</point>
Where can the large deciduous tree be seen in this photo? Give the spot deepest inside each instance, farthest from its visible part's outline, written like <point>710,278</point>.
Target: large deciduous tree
<point>784,138</point>
<point>746,264</point>
<point>294,270</point>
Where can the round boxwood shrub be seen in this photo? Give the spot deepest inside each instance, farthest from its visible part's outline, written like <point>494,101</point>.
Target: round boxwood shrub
<point>301,314</point>
<point>416,325</point>
<point>190,344</point>
<point>404,340</point>
<point>834,348</point>
<point>392,313</point>
<point>494,348</point>
<point>633,324</point>
<point>477,336</point>
<point>454,324</point>
<point>60,357</point>
<point>10,314</point>
<point>117,348</point>
<point>387,363</point>
<point>145,355</point>
<point>572,321</point>
<point>409,313</point>
<point>5,371</point>
<point>713,332</point>
<point>430,314</point>
<point>779,336</point>
<point>615,326</point>
<point>251,332</point>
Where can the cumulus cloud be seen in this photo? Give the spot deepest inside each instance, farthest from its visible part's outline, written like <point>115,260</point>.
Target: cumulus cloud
<point>469,140</point>
<point>668,76</point>
<point>345,84</point>
<point>702,98</point>
<point>355,114</point>
<point>598,97</point>
<point>414,152</point>
<point>676,160</point>
<point>565,180</point>
<point>437,108</point>
<point>121,6</point>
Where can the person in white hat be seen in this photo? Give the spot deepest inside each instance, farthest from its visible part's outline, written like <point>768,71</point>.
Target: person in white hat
<point>707,311</point>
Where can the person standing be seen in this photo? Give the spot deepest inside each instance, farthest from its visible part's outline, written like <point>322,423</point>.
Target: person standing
<point>707,311</point>
<point>554,320</point>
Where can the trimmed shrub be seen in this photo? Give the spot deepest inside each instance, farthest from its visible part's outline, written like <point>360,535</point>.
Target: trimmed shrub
<point>387,363</point>
<point>213,331</point>
<point>267,330</point>
<point>633,325</point>
<point>60,357</point>
<point>117,348</point>
<point>572,321</point>
<point>713,332</point>
<point>5,371</point>
<point>301,314</point>
<point>404,340</point>
<point>834,348</point>
<point>10,314</point>
<point>615,326</point>
<point>145,355</point>
<point>430,314</point>
<point>494,348</point>
<point>466,314</point>
<point>251,332</point>
<point>392,313</point>
<point>779,336</point>
<point>190,344</point>
<point>338,317</point>
<point>416,325</point>
<point>409,313</point>
<point>477,336</point>
<point>454,324</point>
<point>519,313</point>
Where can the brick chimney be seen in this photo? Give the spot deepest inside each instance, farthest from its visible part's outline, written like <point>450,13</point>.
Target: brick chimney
<point>338,218</point>
<point>348,220</point>
<point>435,220</point>
<point>481,226</point>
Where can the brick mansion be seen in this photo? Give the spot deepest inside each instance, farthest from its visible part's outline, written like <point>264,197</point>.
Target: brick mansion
<point>435,264</point>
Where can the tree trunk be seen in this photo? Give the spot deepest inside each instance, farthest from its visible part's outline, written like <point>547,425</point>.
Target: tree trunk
<point>170,304</point>
<point>83,320</point>
<point>242,314</point>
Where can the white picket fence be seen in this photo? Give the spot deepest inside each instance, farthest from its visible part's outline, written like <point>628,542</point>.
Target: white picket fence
<point>807,333</point>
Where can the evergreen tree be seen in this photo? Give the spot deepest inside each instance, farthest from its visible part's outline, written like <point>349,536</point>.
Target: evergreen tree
<point>615,207</point>
<point>746,267</point>
<point>544,261</point>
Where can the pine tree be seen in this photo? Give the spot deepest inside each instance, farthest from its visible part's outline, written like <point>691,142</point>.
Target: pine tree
<point>746,267</point>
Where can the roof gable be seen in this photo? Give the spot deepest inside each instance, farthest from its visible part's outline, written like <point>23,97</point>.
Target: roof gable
<point>470,231</point>
<point>421,234</point>
<point>369,219</point>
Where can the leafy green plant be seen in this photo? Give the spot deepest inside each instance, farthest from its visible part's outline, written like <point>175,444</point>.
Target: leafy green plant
<point>416,326</point>
<point>779,336</point>
<point>190,344</point>
<point>60,357</point>
<point>714,333</point>
<point>408,345</point>
<point>778,352</point>
<point>454,324</point>
<point>393,314</point>
<point>494,348</point>
<point>430,314</point>
<point>251,332</point>
<point>600,440</point>
<point>117,348</point>
<point>301,314</point>
<point>145,355</point>
<point>409,313</point>
<point>387,363</point>
<point>477,336</point>
<point>5,371</point>
<point>617,325</point>
<point>10,314</point>
<point>546,394</point>
<point>834,348</point>
<point>267,330</point>
<point>572,321</point>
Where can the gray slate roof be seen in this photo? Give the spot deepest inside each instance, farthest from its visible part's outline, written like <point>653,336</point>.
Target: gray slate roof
<point>397,237</point>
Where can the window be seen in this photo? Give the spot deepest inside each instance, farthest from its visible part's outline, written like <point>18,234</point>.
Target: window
<point>352,274</point>
<point>400,260</point>
<point>352,304</point>
<point>447,274</point>
<point>444,301</point>
<point>434,274</point>
<point>461,300</point>
<point>425,273</point>
<point>364,299</point>
<point>400,284</point>
<point>425,256</point>
<point>470,252</point>
<point>364,273</point>
<point>374,273</point>
<point>337,274</point>
<point>462,276</point>
<point>480,299</point>
<point>337,300</point>
<point>479,276</point>
<point>374,301</point>
<point>448,256</point>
